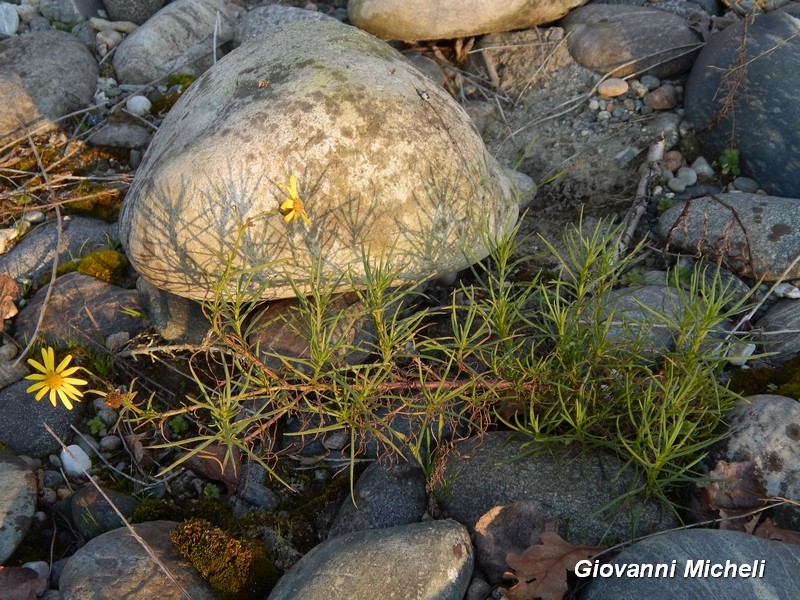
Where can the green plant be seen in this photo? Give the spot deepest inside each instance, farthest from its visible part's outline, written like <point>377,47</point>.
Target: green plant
<point>543,356</point>
<point>663,205</point>
<point>95,425</point>
<point>729,162</point>
<point>178,424</point>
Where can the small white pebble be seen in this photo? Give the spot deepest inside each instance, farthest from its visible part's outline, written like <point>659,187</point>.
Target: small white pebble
<point>34,216</point>
<point>72,464</point>
<point>138,105</point>
<point>702,168</point>
<point>786,290</point>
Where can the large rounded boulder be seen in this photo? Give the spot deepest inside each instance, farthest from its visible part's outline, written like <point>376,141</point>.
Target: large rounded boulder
<point>313,148</point>
<point>448,19</point>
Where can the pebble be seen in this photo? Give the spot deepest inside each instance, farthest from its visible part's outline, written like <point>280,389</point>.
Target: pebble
<point>639,88</point>
<point>594,104</point>
<point>662,98</point>
<point>650,82</point>
<point>74,461</point>
<point>612,87</point>
<point>745,184</point>
<point>603,115</point>
<point>673,161</point>
<point>107,40</point>
<point>9,19</point>
<point>702,168</point>
<point>786,290</point>
<point>138,105</point>
<point>687,175</point>
<point>676,185</point>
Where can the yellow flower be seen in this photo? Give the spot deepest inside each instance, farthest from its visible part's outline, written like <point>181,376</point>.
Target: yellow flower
<point>293,208</point>
<point>54,379</point>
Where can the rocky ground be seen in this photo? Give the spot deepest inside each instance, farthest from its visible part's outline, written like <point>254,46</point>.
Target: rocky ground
<point>590,139</point>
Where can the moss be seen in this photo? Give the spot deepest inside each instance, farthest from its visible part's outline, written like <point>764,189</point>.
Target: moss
<point>107,265</point>
<point>235,569</point>
<point>177,85</point>
<point>214,511</point>
<point>783,380</point>
<point>96,200</point>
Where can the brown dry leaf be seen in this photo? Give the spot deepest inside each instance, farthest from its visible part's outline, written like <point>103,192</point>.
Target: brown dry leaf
<point>215,463</point>
<point>541,570</point>
<point>9,294</point>
<point>768,531</point>
<point>20,583</point>
<point>740,488</point>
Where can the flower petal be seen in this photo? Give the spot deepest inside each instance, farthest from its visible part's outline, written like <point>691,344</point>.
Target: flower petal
<point>36,377</point>
<point>35,387</point>
<point>42,392</point>
<point>53,397</point>
<point>68,372</point>
<point>37,365</point>
<point>74,381</point>
<point>49,358</point>
<point>63,364</point>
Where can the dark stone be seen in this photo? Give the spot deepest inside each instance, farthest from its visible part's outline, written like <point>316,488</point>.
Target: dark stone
<point>783,316</point>
<point>135,11</point>
<point>81,309</point>
<point>22,426</point>
<point>758,115</point>
<point>32,257</point>
<point>384,496</point>
<point>92,514</point>
<point>568,483</point>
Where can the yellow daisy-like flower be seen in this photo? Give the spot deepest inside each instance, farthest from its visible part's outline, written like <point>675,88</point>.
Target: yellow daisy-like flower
<point>293,208</point>
<point>55,379</point>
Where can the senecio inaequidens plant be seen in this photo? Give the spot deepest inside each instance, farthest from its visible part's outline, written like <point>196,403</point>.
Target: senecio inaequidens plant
<point>545,358</point>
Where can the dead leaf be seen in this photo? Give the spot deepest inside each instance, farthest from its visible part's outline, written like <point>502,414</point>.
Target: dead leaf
<point>768,531</point>
<point>216,464</point>
<point>739,488</point>
<point>9,294</point>
<point>20,583</point>
<point>541,570</point>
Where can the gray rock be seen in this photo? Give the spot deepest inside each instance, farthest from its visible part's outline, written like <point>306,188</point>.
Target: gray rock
<point>352,138</point>
<point>262,18</point>
<point>32,257</point>
<point>568,483</point>
<point>134,11</point>
<point>175,318</point>
<point>9,19</point>
<point>783,316</point>
<point>17,502</point>
<point>716,225</point>
<point>177,39</point>
<point>745,184</point>
<point>766,431</point>
<point>630,39</point>
<point>420,561</point>
<point>781,577</point>
<point>81,309</point>
<point>121,134</point>
<point>447,19</point>
<point>92,515</point>
<point>22,426</point>
<point>760,120</point>
<point>69,12</point>
<point>46,75</point>
<point>384,496</point>
<point>635,324</point>
<point>114,565</point>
